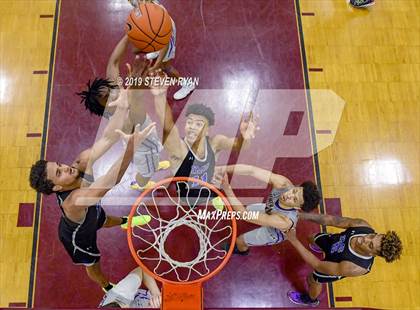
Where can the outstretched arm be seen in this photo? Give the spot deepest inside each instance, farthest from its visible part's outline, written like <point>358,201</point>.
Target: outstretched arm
<point>162,54</point>
<point>271,220</point>
<point>87,196</point>
<point>247,128</point>
<point>171,137</point>
<point>331,220</point>
<point>344,268</point>
<point>87,158</point>
<point>112,68</point>
<point>276,180</point>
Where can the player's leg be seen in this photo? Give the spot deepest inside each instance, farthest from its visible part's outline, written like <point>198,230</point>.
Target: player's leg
<point>241,244</point>
<point>306,299</point>
<point>314,287</point>
<point>146,159</point>
<point>95,273</point>
<point>112,221</point>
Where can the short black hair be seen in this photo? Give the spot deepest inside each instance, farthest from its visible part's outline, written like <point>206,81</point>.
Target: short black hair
<point>311,196</point>
<point>38,178</point>
<point>90,97</point>
<point>203,110</point>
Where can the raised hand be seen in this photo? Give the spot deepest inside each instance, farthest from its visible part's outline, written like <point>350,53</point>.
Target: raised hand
<point>225,185</point>
<point>157,86</point>
<point>121,101</point>
<point>219,172</point>
<point>291,235</point>
<point>155,301</point>
<point>249,126</point>
<point>137,137</point>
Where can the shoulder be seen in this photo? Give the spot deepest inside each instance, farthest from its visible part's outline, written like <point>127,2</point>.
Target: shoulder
<point>82,160</point>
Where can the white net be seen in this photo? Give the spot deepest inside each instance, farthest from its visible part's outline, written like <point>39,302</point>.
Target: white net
<point>153,238</point>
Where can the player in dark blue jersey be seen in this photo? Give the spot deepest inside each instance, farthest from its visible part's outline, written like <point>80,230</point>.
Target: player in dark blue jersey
<point>347,254</point>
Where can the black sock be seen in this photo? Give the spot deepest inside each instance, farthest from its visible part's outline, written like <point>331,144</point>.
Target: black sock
<point>108,287</point>
<point>306,298</point>
<point>124,220</point>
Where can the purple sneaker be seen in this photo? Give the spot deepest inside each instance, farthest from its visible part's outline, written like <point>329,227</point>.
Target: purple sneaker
<point>362,3</point>
<point>302,299</point>
<point>315,248</point>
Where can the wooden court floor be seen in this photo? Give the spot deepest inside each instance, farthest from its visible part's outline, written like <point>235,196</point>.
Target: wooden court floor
<point>369,58</point>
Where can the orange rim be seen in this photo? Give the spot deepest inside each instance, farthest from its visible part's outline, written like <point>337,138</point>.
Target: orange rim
<point>129,231</point>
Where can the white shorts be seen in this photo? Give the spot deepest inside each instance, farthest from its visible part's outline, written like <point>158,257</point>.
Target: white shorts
<point>263,235</point>
<point>124,291</point>
<point>147,155</point>
<point>170,54</point>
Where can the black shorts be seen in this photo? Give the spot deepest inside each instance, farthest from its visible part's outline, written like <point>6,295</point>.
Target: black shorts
<point>322,241</point>
<point>79,240</point>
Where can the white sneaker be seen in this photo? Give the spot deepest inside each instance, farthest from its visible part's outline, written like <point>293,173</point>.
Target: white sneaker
<point>152,55</point>
<point>184,91</point>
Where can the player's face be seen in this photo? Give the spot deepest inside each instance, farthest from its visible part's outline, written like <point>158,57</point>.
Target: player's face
<point>63,176</point>
<point>293,197</point>
<point>195,126</point>
<point>370,243</point>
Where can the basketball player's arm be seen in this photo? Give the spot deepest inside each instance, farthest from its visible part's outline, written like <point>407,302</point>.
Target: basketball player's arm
<point>266,176</point>
<point>162,54</point>
<point>247,128</point>
<point>346,269</point>
<point>84,197</point>
<point>278,221</point>
<point>113,66</point>
<point>87,158</point>
<point>151,285</point>
<point>331,220</point>
<point>171,138</point>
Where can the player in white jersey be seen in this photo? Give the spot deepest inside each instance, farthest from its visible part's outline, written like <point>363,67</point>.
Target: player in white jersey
<point>280,212</point>
<point>165,56</point>
<point>95,98</point>
<point>127,292</point>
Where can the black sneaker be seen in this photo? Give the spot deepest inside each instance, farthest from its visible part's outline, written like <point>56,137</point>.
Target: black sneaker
<point>302,299</point>
<point>362,3</point>
<point>226,246</point>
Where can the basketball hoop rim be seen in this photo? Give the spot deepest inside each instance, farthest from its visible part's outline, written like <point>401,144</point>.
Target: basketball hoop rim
<point>144,267</point>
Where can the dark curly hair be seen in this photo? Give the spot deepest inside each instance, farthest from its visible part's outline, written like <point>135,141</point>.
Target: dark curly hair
<point>90,97</point>
<point>311,196</point>
<point>391,247</point>
<point>38,178</point>
<point>203,110</point>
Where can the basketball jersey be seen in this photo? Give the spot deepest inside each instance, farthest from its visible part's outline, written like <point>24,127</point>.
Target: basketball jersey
<point>82,235</point>
<point>337,247</point>
<point>192,166</point>
<point>273,206</point>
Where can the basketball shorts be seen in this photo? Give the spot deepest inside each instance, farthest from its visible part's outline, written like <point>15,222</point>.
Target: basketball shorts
<point>147,155</point>
<point>80,241</point>
<point>124,291</point>
<point>263,235</point>
<point>170,54</point>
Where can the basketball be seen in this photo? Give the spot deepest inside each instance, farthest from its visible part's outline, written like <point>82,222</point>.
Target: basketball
<point>149,27</point>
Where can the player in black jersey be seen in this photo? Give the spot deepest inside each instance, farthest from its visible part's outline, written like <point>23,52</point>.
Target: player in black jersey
<point>78,195</point>
<point>194,155</point>
<point>347,254</point>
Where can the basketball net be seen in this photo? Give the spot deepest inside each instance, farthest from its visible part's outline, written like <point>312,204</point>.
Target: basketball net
<point>182,280</point>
